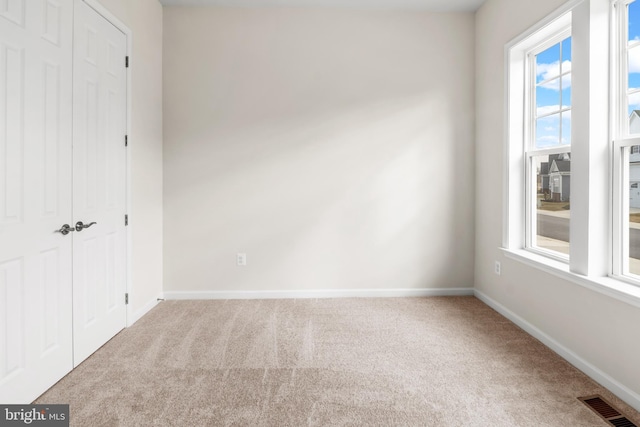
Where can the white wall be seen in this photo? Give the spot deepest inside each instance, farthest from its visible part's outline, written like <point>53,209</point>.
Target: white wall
<point>601,331</point>
<point>334,147</point>
<point>144,18</point>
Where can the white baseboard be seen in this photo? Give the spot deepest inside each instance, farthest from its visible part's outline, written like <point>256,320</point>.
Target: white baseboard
<point>320,293</point>
<point>617,388</point>
<point>134,317</point>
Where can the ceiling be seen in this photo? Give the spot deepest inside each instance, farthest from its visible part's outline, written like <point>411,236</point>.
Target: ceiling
<point>426,5</point>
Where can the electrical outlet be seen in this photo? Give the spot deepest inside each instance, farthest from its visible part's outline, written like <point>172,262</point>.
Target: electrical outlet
<point>497,268</point>
<point>241,258</point>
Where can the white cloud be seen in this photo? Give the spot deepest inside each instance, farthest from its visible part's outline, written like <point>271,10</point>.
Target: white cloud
<point>548,71</point>
<point>634,60</point>
<point>634,100</point>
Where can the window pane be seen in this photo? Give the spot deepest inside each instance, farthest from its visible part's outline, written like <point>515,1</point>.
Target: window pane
<point>634,210</point>
<point>548,63</point>
<point>548,131</point>
<point>566,128</point>
<point>634,78</point>
<point>548,98</point>
<point>566,90</point>
<point>633,58</point>
<point>566,55</point>
<point>552,95</point>
<point>634,117</point>
<point>552,211</point>
<point>634,21</point>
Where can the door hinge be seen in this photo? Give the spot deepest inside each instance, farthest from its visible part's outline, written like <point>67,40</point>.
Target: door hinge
<point>126,140</point>
<point>126,299</point>
<point>126,220</point>
<point>126,62</point>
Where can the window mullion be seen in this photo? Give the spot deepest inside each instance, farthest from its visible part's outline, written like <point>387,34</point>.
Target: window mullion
<point>590,132</point>
<point>550,151</point>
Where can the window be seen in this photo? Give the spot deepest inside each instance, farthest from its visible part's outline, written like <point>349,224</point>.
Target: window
<point>572,139</point>
<point>626,132</point>
<point>548,145</point>
<point>558,193</point>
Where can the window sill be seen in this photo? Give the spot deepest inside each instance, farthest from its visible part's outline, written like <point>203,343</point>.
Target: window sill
<point>608,286</point>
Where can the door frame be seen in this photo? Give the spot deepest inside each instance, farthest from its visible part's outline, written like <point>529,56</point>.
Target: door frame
<point>106,14</point>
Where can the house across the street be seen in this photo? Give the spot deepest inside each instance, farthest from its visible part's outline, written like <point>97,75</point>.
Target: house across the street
<point>634,162</point>
<point>560,179</point>
<point>554,176</point>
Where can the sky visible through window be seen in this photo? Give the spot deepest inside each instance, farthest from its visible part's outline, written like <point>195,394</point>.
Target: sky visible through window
<point>634,56</point>
<point>552,128</point>
<point>553,95</point>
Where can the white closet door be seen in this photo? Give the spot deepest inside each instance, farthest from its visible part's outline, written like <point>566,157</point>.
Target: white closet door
<point>99,177</point>
<point>35,196</point>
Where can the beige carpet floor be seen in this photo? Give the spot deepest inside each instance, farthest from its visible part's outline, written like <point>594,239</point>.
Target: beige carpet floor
<point>449,361</point>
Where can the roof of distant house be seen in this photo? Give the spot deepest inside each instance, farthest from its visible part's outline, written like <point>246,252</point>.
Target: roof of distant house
<point>544,168</point>
<point>562,165</point>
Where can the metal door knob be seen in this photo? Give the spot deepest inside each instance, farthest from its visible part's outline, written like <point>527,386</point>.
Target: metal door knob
<point>81,226</point>
<point>65,229</point>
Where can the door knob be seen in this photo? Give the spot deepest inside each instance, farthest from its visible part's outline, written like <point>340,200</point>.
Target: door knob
<point>80,226</point>
<point>65,229</point>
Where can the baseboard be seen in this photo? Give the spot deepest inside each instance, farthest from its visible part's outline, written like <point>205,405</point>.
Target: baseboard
<point>617,388</point>
<point>134,317</point>
<point>320,293</point>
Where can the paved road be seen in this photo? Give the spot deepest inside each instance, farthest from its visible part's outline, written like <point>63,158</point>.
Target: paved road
<point>558,228</point>
<point>553,227</point>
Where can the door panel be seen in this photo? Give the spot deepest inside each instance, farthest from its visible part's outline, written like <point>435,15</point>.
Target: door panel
<point>35,196</point>
<point>11,144</point>
<point>99,181</point>
<point>13,10</point>
<point>12,313</point>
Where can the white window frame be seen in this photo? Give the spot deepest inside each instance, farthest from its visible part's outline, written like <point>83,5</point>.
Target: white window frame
<point>623,142</point>
<point>591,154</point>
<point>552,37</point>
<point>592,195</point>
<point>518,203</point>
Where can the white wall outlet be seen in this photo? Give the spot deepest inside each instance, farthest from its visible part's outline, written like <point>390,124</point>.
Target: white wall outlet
<point>241,258</point>
<point>497,268</point>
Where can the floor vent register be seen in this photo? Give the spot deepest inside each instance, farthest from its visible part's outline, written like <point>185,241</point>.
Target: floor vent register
<point>608,413</point>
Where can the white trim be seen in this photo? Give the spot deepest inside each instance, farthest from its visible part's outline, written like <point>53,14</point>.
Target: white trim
<point>106,14</point>
<point>143,310</point>
<point>590,168</point>
<point>549,20</point>
<point>604,379</point>
<point>590,231</point>
<point>95,5</point>
<point>622,138</point>
<point>611,287</point>
<point>514,223</point>
<point>318,293</point>
<point>616,183</point>
<point>562,149</point>
<point>626,142</point>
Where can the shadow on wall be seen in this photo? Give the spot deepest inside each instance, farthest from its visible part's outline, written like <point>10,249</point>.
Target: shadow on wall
<point>358,190</point>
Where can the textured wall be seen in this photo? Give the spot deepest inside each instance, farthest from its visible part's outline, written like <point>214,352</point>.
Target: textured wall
<point>334,147</point>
